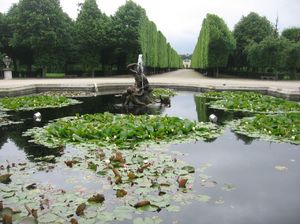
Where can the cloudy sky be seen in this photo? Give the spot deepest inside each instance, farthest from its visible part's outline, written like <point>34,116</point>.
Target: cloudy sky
<point>180,20</point>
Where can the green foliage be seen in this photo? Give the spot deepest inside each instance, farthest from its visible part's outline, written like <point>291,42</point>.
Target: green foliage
<point>250,29</point>
<point>91,34</point>
<point>34,102</point>
<point>39,35</point>
<point>55,75</point>
<point>250,102</point>
<point>214,44</point>
<point>121,131</point>
<point>163,92</point>
<point>292,34</point>
<point>125,31</point>
<point>41,28</point>
<point>157,52</point>
<point>280,127</point>
<point>269,53</point>
<point>293,57</point>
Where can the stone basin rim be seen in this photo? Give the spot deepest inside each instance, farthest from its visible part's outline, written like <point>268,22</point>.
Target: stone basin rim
<point>113,88</point>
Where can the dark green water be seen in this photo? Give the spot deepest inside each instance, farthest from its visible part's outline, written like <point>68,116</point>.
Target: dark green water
<point>262,193</point>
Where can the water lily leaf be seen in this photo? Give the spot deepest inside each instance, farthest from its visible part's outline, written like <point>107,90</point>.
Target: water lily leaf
<point>148,208</point>
<point>27,220</point>
<point>173,208</point>
<point>203,198</point>
<point>80,209</point>
<point>98,198</point>
<point>121,193</point>
<point>106,216</point>
<point>208,183</point>
<point>47,218</point>
<point>189,169</point>
<point>228,187</point>
<point>5,178</point>
<point>141,204</point>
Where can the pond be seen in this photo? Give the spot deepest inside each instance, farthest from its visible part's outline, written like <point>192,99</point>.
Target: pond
<point>237,179</point>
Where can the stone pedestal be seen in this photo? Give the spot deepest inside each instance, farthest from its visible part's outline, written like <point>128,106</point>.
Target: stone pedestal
<point>7,74</point>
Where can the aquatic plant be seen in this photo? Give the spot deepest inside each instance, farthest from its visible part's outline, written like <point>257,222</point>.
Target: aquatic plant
<point>120,131</point>
<point>279,127</point>
<point>157,92</point>
<point>32,102</point>
<point>249,102</point>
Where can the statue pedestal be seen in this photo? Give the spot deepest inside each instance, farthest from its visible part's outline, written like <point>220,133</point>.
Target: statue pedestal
<point>7,74</point>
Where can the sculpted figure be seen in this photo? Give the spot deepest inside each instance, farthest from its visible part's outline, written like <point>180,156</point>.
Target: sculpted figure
<point>139,94</point>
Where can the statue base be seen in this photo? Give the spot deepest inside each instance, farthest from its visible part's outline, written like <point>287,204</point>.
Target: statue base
<point>7,74</point>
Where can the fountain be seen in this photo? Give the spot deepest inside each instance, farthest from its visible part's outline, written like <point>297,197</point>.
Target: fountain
<point>141,92</point>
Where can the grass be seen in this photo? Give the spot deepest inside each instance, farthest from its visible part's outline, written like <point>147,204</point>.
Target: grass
<point>55,75</point>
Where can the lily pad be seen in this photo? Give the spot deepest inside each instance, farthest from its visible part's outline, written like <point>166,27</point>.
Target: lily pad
<point>203,198</point>
<point>35,101</point>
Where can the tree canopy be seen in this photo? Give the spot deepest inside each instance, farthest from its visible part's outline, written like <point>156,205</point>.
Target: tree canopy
<point>292,34</point>
<point>214,44</point>
<point>39,35</point>
<point>250,29</point>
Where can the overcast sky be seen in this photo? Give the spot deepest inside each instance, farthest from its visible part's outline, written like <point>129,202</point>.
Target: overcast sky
<point>180,20</point>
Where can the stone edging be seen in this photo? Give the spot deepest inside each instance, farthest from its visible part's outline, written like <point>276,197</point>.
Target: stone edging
<point>110,88</point>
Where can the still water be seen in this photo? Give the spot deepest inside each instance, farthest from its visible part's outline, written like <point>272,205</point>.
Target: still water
<point>261,193</point>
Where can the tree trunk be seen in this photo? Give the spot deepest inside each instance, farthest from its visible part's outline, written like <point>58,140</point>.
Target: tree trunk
<point>29,69</point>
<point>294,73</point>
<point>44,71</point>
<point>217,72</point>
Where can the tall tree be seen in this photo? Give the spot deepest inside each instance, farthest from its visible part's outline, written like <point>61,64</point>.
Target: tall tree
<point>40,29</point>
<point>251,28</point>
<point>214,45</point>
<point>293,57</point>
<point>269,53</point>
<point>126,24</point>
<point>91,35</point>
<point>292,34</point>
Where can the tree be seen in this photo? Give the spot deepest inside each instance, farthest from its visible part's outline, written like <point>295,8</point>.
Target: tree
<point>269,53</point>
<point>251,28</point>
<point>293,57</point>
<point>292,34</point>
<point>158,53</point>
<point>214,44</point>
<point>91,35</point>
<point>126,25</point>
<point>40,30</point>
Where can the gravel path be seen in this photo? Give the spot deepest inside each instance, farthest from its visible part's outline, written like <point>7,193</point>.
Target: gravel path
<point>183,77</point>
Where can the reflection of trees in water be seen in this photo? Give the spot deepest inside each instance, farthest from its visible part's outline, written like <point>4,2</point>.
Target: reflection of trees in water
<point>3,137</point>
<point>203,111</point>
<point>14,133</point>
<point>201,108</point>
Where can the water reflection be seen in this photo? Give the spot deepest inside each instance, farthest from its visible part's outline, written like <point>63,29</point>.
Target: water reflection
<point>203,112</point>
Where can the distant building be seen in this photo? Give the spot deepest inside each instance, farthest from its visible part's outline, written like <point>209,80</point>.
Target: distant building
<point>186,63</point>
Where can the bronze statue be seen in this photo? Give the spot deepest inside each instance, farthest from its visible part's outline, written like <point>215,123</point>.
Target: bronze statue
<point>140,93</point>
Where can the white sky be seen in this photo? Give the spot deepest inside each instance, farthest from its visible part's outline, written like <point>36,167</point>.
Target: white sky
<point>180,20</point>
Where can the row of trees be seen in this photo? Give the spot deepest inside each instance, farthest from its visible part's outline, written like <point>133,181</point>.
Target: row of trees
<point>254,47</point>
<point>158,53</point>
<point>214,45</point>
<point>38,35</point>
